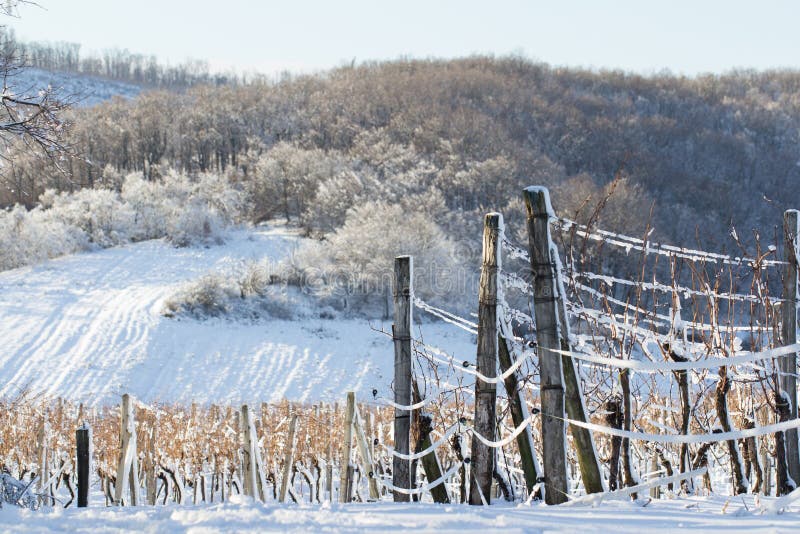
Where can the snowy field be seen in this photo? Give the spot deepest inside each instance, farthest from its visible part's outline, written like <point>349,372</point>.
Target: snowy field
<point>242,515</point>
<point>89,327</point>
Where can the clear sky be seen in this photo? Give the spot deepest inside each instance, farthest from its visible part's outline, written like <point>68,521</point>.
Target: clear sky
<point>646,36</point>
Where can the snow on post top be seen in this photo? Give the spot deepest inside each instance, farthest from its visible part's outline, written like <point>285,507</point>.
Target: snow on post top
<point>540,189</point>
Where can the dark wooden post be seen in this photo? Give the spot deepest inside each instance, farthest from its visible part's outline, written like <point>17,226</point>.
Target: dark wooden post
<point>519,413</point>
<point>788,364</point>
<point>545,299</point>
<point>486,392</point>
<point>83,439</point>
<point>403,295</point>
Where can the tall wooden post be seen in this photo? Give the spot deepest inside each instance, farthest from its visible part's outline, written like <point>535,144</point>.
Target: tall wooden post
<point>345,473</point>
<point>788,364</point>
<point>83,440</point>
<point>486,393</point>
<point>403,295</point>
<point>545,300</point>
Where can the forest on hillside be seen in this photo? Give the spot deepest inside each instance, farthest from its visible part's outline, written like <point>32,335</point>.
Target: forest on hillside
<point>440,143</point>
<point>707,151</point>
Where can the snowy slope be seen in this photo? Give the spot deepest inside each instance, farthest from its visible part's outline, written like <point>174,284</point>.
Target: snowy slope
<point>89,327</point>
<point>85,90</point>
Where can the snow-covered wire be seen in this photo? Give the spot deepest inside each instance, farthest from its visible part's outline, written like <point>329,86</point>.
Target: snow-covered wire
<point>427,487</point>
<point>713,437</point>
<point>709,363</point>
<point>664,288</point>
<point>441,356</point>
<point>406,407</point>
<point>597,498</point>
<point>456,428</point>
<point>460,322</point>
<point>634,243</point>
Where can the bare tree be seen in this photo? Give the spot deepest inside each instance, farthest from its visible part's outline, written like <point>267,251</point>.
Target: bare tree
<point>29,116</point>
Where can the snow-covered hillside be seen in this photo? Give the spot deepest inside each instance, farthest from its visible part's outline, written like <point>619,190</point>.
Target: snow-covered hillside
<point>85,90</point>
<point>89,327</point>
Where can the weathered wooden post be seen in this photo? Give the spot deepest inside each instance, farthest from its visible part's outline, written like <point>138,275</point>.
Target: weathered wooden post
<point>288,458</point>
<point>43,460</point>
<point>788,364</point>
<point>249,466</point>
<point>366,456</point>
<point>83,440</point>
<point>485,423</point>
<point>401,330</point>
<point>545,298</point>
<point>519,414</point>
<point>128,468</point>
<point>345,473</point>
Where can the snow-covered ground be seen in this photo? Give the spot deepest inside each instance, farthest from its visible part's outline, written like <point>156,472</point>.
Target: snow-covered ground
<point>242,515</point>
<point>84,90</point>
<point>89,327</point>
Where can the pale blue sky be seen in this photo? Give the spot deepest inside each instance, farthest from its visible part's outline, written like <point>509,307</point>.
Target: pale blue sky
<point>645,36</point>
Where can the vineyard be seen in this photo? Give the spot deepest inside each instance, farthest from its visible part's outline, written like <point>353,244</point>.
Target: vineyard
<point>676,379</point>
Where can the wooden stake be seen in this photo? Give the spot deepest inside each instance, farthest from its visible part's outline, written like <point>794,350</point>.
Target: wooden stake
<point>403,296</point>
<point>249,472</point>
<point>483,456</point>
<point>545,297</point>
<point>83,440</point>
<point>288,458</point>
<point>788,364</point>
<point>128,467</point>
<point>366,456</point>
<point>519,413</point>
<point>44,465</point>
<point>345,473</point>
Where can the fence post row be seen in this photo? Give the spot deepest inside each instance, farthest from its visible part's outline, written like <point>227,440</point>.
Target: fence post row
<point>545,299</point>
<point>483,456</point>
<point>83,440</point>
<point>401,332</point>
<point>788,364</point>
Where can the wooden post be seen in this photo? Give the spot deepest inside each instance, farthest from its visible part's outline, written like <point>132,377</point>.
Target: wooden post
<point>43,456</point>
<point>248,454</point>
<point>288,458</point>
<point>403,296</point>
<point>788,364</point>
<point>545,297</point>
<point>586,452</point>
<point>128,467</point>
<point>83,440</point>
<point>485,392</point>
<point>345,473</point>
<point>430,462</point>
<point>519,414</point>
<point>150,474</point>
<point>366,456</point>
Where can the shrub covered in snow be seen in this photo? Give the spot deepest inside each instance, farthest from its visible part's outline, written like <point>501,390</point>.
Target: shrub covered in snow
<point>185,211</point>
<point>355,261</point>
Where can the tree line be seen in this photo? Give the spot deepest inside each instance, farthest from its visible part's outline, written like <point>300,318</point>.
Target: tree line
<point>688,156</point>
<point>113,63</point>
